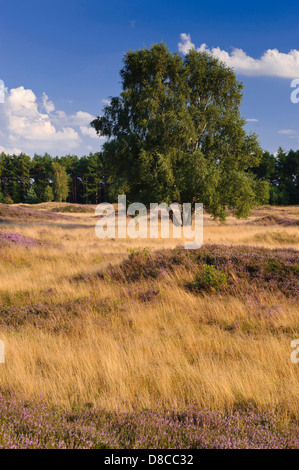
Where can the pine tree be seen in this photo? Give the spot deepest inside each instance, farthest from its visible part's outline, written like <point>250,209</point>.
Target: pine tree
<point>31,197</point>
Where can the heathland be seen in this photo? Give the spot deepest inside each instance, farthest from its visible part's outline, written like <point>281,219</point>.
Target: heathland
<point>112,343</point>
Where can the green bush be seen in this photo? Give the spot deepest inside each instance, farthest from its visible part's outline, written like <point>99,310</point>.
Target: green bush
<point>209,279</point>
<point>8,200</point>
<point>134,253</point>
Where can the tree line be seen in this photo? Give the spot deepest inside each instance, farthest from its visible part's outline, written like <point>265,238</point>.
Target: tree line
<point>44,179</point>
<point>89,180</point>
<point>281,172</point>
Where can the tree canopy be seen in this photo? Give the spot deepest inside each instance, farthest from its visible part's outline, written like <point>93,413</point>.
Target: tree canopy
<point>175,133</point>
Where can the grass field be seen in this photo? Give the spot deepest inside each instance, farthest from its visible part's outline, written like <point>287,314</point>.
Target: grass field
<point>91,328</point>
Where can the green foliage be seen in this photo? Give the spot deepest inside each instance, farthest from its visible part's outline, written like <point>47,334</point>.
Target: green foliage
<point>48,194</point>
<point>99,175</point>
<point>89,178</point>
<point>194,177</point>
<point>134,253</point>
<point>41,173</point>
<point>60,183</point>
<point>175,132</point>
<point>31,197</point>
<point>8,200</point>
<point>15,176</point>
<point>262,192</point>
<point>281,172</point>
<point>209,279</point>
<point>288,177</point>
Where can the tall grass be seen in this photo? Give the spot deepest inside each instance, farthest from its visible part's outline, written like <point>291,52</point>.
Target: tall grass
<point>77,338</point>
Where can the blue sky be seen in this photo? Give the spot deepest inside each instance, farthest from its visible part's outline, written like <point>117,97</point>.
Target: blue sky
<point>60,59</point>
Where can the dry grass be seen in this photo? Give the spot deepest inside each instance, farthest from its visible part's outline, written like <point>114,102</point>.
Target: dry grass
<point>122,353</point>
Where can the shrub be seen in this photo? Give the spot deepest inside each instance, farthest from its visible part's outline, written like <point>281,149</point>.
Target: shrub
<point>247,268</point>
<point>134,253</point>
<point>16,239</point>
<point>208,278</point>
<point>8,200</point>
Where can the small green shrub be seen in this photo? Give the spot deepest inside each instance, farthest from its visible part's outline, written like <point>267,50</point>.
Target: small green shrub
<point>134,253</point>
<point>8,200</point>
<point>209,279</point>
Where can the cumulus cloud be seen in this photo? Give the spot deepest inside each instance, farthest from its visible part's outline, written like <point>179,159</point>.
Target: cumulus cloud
<point>10,151</point>
<point>271,63</point>
<point>48,105</point>
<point>80,118</point>
<point>88,131</point>
<point>185,45</point>
<point>31,126</point>
<point>27,126</point>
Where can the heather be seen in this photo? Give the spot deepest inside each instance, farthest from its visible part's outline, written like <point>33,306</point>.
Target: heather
<point>28,424</point>
<point>243,267</point>
<point>19,213</point>
<point>11,238</point>
<point>54,317</point>
<point>276,220</point>
<point>75,208</point>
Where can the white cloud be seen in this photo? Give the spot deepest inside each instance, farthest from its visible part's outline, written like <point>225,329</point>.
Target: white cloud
<point>29,126</point>
<point>10,151</point>
<point>48,105</point>
<point>252,120</point>
<point>290,133</point>
<point>108,102</point>
<point>271,63</point>
<point>81,118</point>
<point>186,45</point>
<point>89,131</point>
